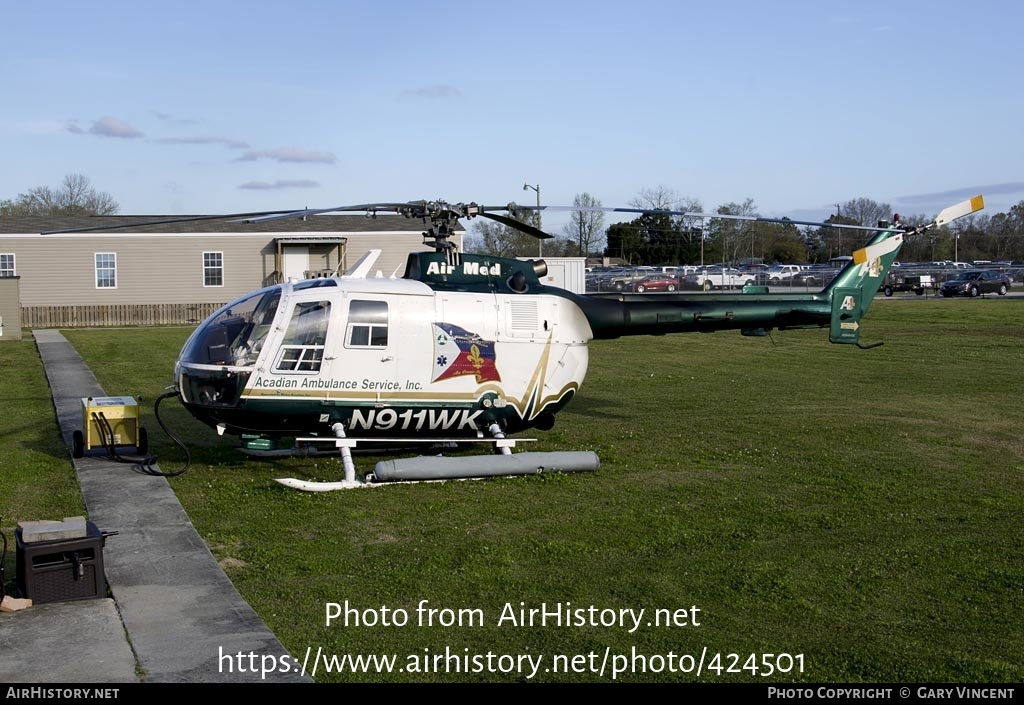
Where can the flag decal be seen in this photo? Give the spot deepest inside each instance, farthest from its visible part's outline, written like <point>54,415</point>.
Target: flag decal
<point>457,352</point>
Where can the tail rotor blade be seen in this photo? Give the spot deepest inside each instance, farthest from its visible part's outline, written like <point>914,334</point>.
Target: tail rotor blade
<point>971,205</point>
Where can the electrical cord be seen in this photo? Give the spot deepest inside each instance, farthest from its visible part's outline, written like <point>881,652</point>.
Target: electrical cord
<point>188,456</point>
<point>145,463</point>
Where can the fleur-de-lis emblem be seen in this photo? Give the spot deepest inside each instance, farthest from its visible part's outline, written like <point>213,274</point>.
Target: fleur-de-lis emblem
<point>474,357</point>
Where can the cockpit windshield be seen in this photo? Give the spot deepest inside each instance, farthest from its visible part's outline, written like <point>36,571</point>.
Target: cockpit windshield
<point>235,334</point>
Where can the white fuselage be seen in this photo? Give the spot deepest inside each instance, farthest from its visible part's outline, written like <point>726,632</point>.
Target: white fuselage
<point>395,349</point>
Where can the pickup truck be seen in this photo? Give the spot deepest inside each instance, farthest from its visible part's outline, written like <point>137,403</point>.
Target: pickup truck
<point>718,278</point>
<point>627,280</point>
<point>778,273</point>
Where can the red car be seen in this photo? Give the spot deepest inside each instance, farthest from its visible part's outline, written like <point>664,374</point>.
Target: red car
<point>656,282</point>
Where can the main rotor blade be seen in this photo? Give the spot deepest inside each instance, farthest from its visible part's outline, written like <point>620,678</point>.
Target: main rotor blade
<point>436,208</point>
<point>695,214</point>
<point>369,207</point>
<point>139,224</point>
<point>518,225</point>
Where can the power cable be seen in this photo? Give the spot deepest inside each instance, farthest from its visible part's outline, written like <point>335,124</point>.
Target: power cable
<point>146,463</point>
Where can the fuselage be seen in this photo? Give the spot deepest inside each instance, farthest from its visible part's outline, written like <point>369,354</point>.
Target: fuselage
<point>384,357</point>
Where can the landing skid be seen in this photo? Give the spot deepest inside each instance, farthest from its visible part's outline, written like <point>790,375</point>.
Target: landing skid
<point>305,447</point>
<point>438,468</point>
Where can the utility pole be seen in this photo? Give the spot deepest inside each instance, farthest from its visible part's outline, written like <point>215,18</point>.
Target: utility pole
<point>839,231</point>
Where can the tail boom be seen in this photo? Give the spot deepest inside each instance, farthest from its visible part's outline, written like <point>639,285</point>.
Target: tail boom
<point>839,306</point>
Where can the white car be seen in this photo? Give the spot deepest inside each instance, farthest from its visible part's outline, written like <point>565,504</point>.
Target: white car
<point>778,273</point>
<point>718,278</point>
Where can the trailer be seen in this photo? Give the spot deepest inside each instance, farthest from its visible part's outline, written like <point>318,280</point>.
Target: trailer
<point>916,283</point>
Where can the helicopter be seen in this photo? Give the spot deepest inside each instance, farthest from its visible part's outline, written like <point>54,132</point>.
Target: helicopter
<point>463,347</point>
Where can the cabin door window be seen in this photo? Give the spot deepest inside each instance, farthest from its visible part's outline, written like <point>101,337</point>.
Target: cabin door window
<point>367,325</point>
<point>302,349</point>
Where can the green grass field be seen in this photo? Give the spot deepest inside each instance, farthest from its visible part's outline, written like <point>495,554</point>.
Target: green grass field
<point>861,509</point>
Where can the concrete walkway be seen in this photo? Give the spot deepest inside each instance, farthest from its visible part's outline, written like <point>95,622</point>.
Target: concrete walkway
<point>174,612</point>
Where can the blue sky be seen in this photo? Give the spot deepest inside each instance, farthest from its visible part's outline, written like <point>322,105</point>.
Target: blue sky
<point>214,107</point>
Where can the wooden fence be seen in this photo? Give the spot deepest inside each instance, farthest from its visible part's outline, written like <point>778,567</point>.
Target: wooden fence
<point>115,315</point>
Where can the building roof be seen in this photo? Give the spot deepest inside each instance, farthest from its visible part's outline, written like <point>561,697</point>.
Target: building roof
<point>14,224</point>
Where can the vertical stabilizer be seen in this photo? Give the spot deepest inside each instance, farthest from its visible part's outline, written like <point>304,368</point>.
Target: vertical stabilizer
<point>854,288</point>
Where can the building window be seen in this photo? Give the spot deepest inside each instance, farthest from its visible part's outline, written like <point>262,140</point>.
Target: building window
<point>7,265</point>
<point>213,269</point>
<point>106,270</point>
<point>367,324</point>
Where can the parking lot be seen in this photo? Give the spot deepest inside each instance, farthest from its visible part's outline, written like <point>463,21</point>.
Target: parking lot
<point>914,280</point>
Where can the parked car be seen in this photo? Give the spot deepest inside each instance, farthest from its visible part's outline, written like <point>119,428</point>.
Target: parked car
<point>602,280</point>
<point>814,276</point>
<point>656,282</point>
<point>975,282</point>
<point>718,278</point>
<point>626,280</point>
<point>777,273</point>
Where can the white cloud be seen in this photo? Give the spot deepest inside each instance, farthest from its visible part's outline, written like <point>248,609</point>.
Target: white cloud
<point>167,117</point>
<point>280,184</point>
<point>289,154</point>
<point>226,141</point>
<point>106,126</point>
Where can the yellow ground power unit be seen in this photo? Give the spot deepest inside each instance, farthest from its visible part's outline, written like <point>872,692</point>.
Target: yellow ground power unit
<point>109,423</point>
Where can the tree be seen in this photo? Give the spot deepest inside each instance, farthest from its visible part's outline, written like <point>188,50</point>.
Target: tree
<point>76,196</point>
<point>585,229</point>
<point>684,239</point>
<point>858,211</point>
<point>826,243</point>
<point>493,238</point>
<point>780,242</point>
<point>864,211</point>
<point>657,198</point>
<point>658,238</point>
<point>730,237</point>
<point>1006,234</point>
<point>787,247</point>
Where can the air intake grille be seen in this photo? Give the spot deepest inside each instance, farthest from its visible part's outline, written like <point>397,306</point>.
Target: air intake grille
<point>523,315</point>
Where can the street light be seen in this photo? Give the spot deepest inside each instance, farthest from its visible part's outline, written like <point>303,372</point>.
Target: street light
<point>540,243</point>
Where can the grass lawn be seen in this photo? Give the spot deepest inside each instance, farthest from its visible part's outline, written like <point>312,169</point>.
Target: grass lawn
<point>37,480</point>
<point>858,510</point>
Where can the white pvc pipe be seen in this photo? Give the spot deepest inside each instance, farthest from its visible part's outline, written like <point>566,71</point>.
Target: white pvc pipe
<point>346,454</point>
<point>496,431</point>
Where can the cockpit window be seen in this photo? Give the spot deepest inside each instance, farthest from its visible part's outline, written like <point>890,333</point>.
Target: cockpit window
<point>249,343</point>
<point>235,334</point>
<point>303,347</point>
<point>367,324</point>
